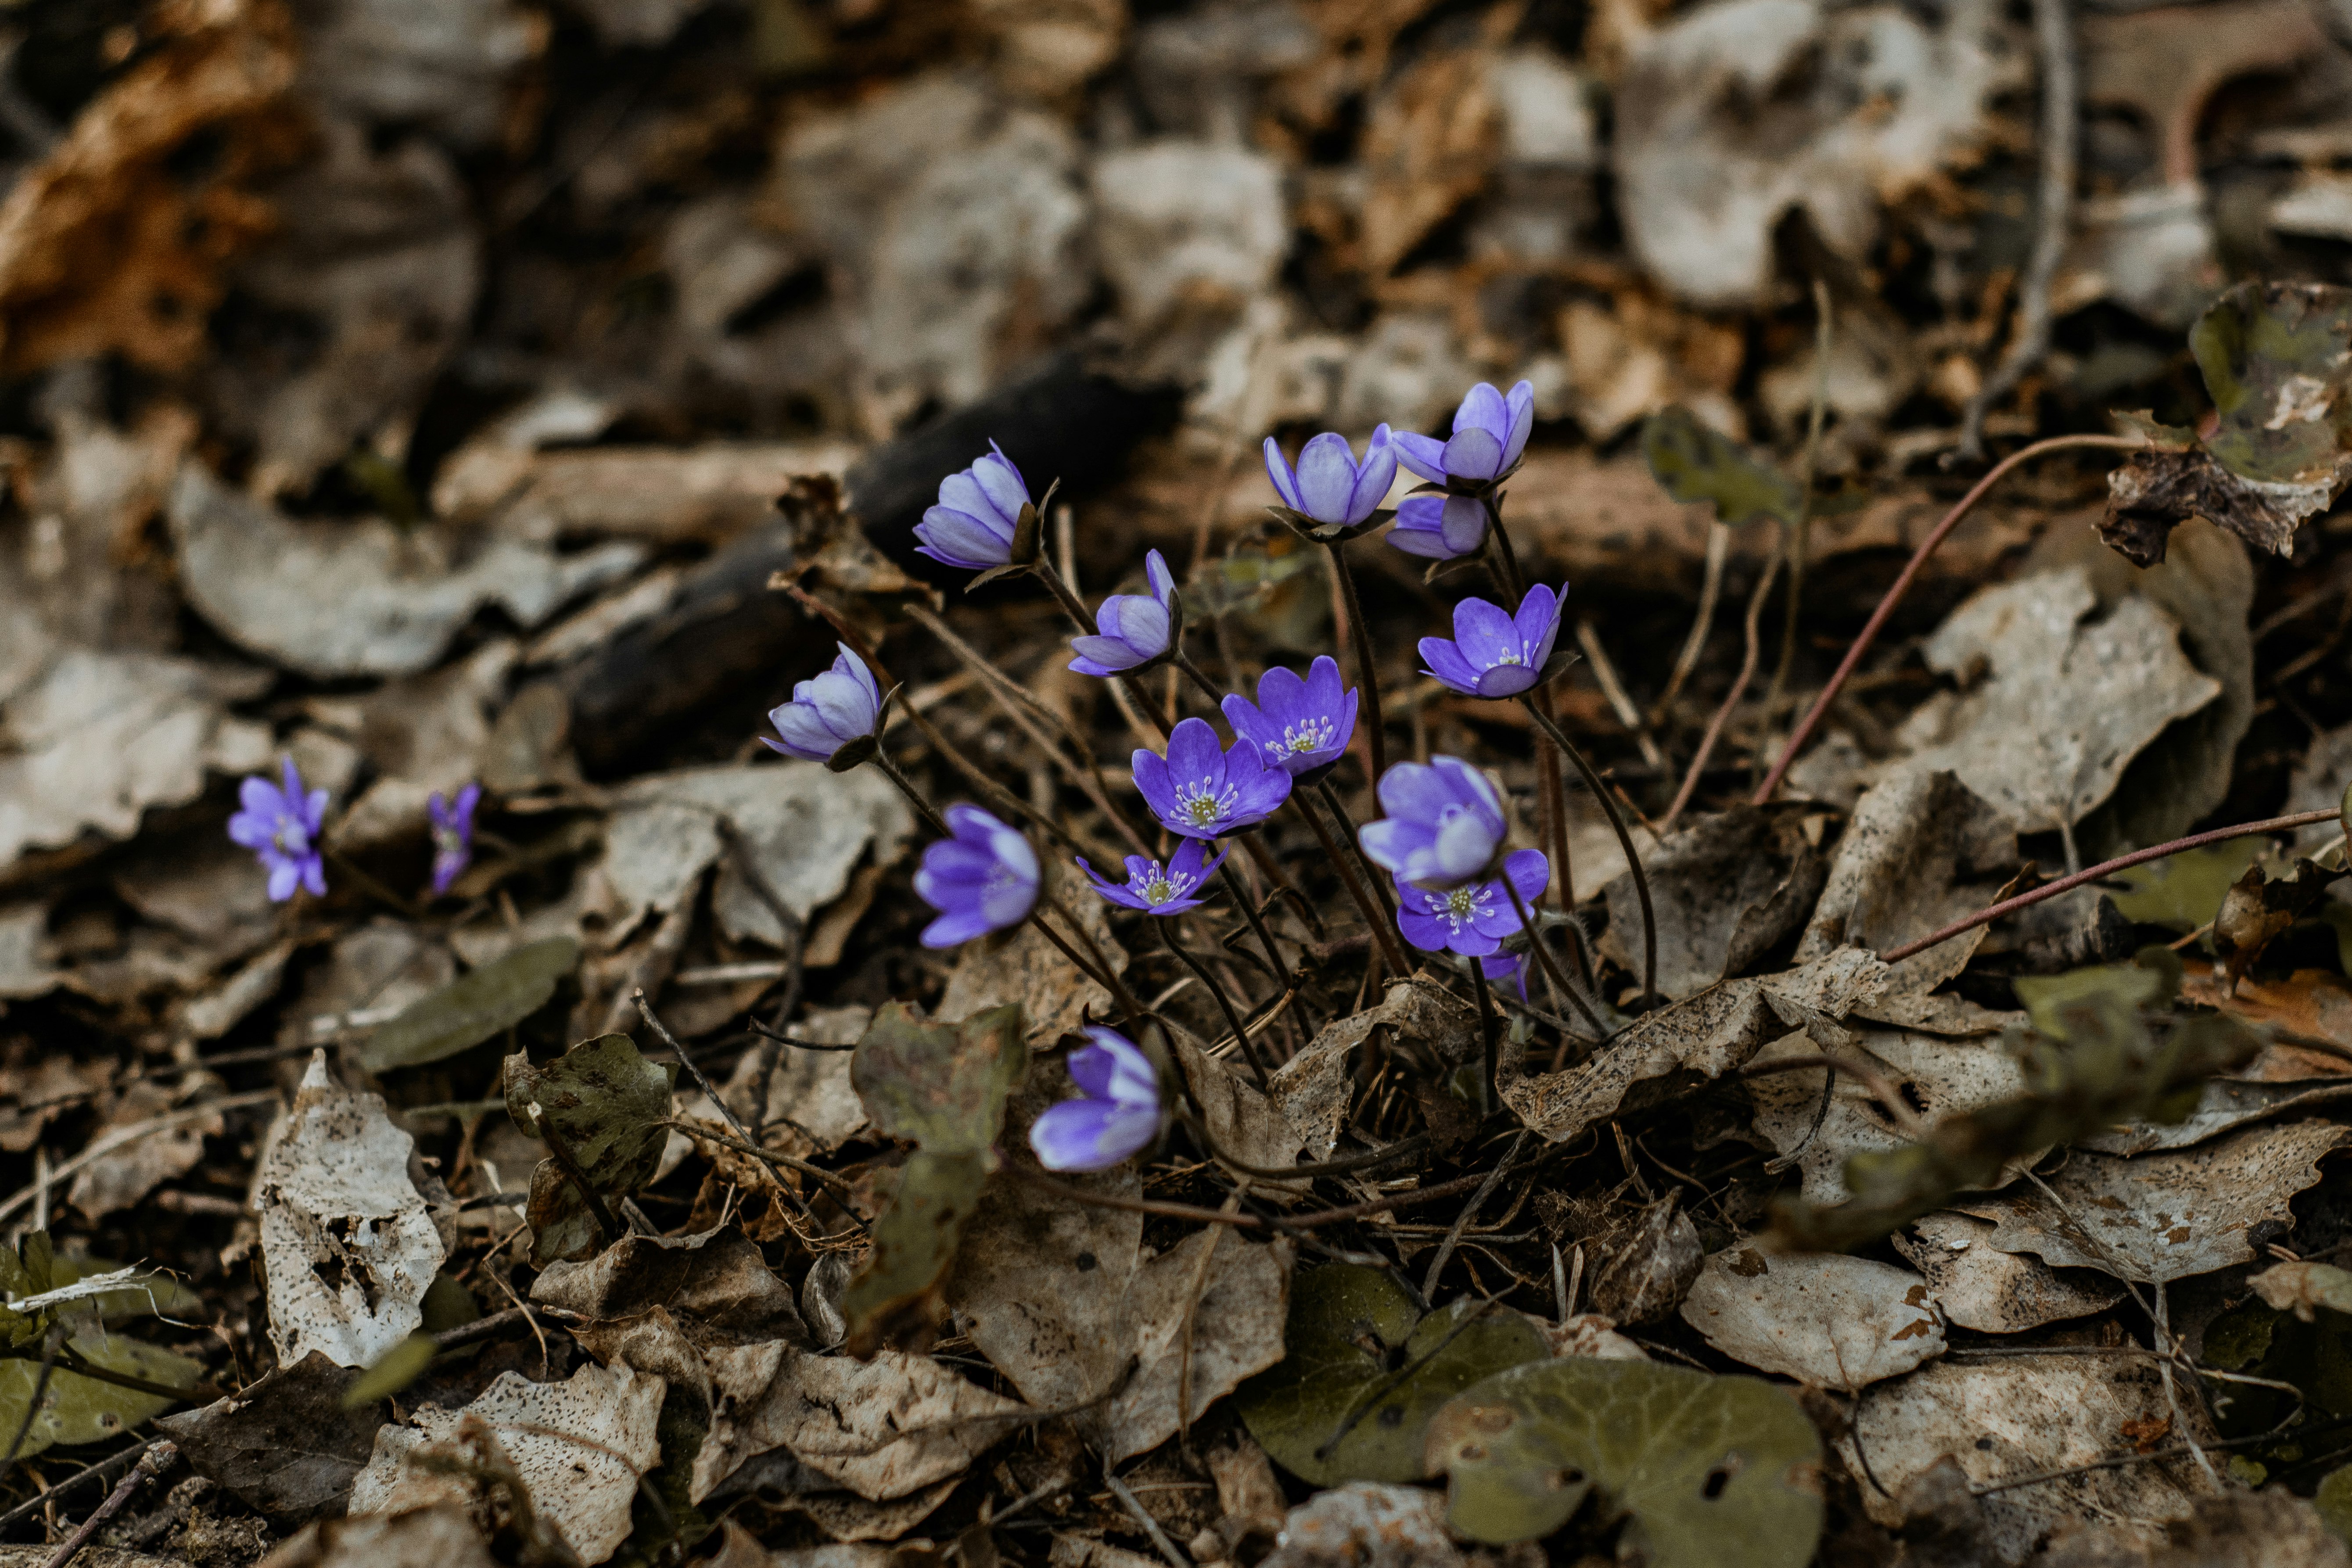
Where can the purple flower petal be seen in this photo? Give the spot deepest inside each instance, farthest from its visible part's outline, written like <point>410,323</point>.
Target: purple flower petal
<point>1520,404</point>
<point>1445,663</point>
<point>1486,635</point>
<point>1474,454</point>
<point>1483,408</point>
<point>1422,455</point>
<point>1373,477</point>
<point>1090,1134</point>
<point>1002,483</point>
<point>1327,478</point>
<point>1284,484</point>
<point>1194,753</point>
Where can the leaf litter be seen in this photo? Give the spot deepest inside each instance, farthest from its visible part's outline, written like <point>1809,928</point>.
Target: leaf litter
<point>529,399</point>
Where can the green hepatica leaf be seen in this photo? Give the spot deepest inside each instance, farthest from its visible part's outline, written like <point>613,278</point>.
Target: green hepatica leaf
<point>942,1087</point>
<point>1692,462</point>
<point>603,1104</point>
<point>895,1297</point>
<point>79,1410</point>
<point>1362,1371</point>
<point>2334,1501</point>
<point>471,1009</point>
<point>2055,1000</point>
<point>2183,890</point>
<point>1715,1472</point>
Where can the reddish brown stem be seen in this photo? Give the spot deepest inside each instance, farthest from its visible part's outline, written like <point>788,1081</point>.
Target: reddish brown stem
<point>2106,869</point>
<point>1869,634</point>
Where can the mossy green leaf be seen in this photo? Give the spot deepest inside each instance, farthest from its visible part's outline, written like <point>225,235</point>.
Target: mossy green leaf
<point>2277,359</point>
<point>473,1007</point>
<point>398,1367</point>
<point>1712,1472</point>
<point>77,1410</point>
<point>942,1087</point>
<point>603,1101</point>
<point>895,1297</point>
<point>1363,1371</point>
<point>1693,462</point>
<point>2334,1501</point>
<point>2184,892</point>
<point>2115,992</point>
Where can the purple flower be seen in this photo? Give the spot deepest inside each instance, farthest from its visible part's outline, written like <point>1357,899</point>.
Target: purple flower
<point>1506,969</point>
<point>1439,528</point>
<point>453,835</point>
<point>1493,654</point>
<point>979,516</point>
<point>1300,725</point>
<point>1138,630</point>
<point>281,827</point>
<point>1330,488</point>
<point>1472,919</point>
<point>838,708</point>
<point>1118,1114</point>
<point>983,879</point>
<point>1203,791</point>
<point>1490,433</point>
<point>1444,827</point>
<point>1157,889</point>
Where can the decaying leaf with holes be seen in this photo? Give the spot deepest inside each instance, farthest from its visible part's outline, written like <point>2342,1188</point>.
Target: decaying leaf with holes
<point>1714,1472</point>
<point>942,1087</point>
<point>599,1107</point>
<point>348,1245</point>
<point>1363,1371</point>
<point>2277,361</point>
<point>2091,1059</point>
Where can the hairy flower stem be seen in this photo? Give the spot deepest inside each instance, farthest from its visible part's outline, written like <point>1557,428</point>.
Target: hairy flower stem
<point>1224,1003</point>
<point>1366,670</point>
<point>1624,841</point>
<point>1488,1017</point>
<point>1902,583</point>
<point>2108,869</point>
<point>1504,565</point>
<point>1043,568</point>
<point>1383,936</point>
<point>881,760</point>
<point>1347,826</point>
<point>1543,956</point>
<point>1240,892</point>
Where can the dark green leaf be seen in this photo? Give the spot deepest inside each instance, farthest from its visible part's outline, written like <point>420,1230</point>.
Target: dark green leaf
<point>2182,891</point>
<point>1362,1371</point>
<point>1717,1472</point>
<point>472,1008</point>
<point>895,1297</point>
<point>79,1410</point>
<point>1693,462</point>
<point>398,1367</point>
<point>603,1105</point>
<point>939,1086</point>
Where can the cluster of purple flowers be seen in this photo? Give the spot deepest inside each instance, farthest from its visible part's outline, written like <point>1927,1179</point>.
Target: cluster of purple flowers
<point>284,824</point>
<point>1443,836</point>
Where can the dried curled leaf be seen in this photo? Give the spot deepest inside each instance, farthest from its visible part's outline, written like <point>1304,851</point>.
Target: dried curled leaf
<point>2091,1060</point>
<point>469,1010</point>
<point>1363,1371</point>
<point>2277,359</point>
<point>1715,1472</point>
<point>600,1105</point>
<point>2301,1287</point>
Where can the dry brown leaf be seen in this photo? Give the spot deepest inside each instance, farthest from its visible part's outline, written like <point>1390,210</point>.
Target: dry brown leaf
<point>1367,1525</point>
<point>1979,1286</point>
<point>1026,968</point>
<point>2163,1217</point>
<point>1823,1319</point>
<point>579,1449</point>
<point>883,1428</point>
<point>1936,1076</point>
<point>1433,138</point>
<point>1919,851</point>
<point>105,246</point>
<point>1726,888</point>
<point>122,1178</point>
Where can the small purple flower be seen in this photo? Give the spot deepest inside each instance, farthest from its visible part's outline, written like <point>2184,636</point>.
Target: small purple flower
<point>1118,1114</point>
<point>1157,889</point>
<point>1472,919</point>
<point>1490,433</point>
<point>1493,654</point>
<point>281,826</point>
<point>1330,488</point>
<point>1506,969</point>
<point>1138,630</point>
<point>1201,791</point>
<point>979,514</point>
<point>453,835</point>
<point>1444,827</point>
<point>1439,528</point>
<point>1299,725</point>
<point>836,709</point>
<point>983,879</point>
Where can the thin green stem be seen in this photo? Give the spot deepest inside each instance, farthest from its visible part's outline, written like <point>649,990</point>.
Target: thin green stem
<point>1248,1047</point>
<point>1208,687</point>
<point>1347,824</point>
<point>923,809</point>
<point>1233,886</point>
<point>1512,581</point>
<point>1383,934</point>
<point>1366,670</point>
<point>1624,841</point>
<point>1043,569</point>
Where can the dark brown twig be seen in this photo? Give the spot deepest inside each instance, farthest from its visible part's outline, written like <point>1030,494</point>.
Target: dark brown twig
<point>158,1457</point>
